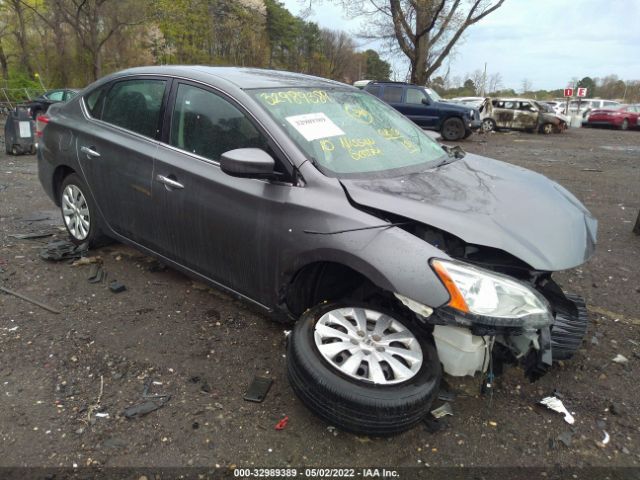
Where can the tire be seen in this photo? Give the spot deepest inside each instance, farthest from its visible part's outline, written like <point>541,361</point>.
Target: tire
<point>15,151</point>
<point>488,125</point>
<point>358,405</point>
<point>569,328</point>
<point>452,129</point>
<point>76,191</point>
<point>625,124</point>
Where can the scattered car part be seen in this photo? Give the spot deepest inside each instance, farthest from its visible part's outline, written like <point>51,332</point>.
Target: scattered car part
<point>30,300</point>
<point>281,425</point>
<point>117,287</point>
<point>442,410</point>
<point>621,359</point>
<point>361,368</point>
<point>143,408</point>
<point>32,236</point>
<point>555,404</point>
<point>258,389</point>
<point>59,250</point>
<point>97,274</point>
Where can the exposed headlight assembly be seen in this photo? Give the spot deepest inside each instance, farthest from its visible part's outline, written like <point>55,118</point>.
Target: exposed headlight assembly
<point>488,298</point>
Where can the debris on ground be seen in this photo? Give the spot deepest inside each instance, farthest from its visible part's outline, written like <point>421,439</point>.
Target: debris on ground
<point>621,359</point>
<point>97,274</point>
<point>442,410</point>
<point>281,425</point>
<point>30,300</point>
<point>155,267</point>
<point>117,287</point>
<point>446,396</point>
<point>603,443</point>
<point>87,261</point>
<point>555,404</point>
<point>332,429</point>
<point>33,235</point>
<point>566,438</point>
<point>432,424</point>
<point>59,250</point>
<point>258,389</point>
<point>151,403</point>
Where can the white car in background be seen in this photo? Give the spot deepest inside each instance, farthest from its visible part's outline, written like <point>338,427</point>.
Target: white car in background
<point>557,105</point>
<point>473,102</point>
<point>584,106</point>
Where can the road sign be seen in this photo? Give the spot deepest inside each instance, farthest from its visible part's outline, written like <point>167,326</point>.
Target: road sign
<point>582,92</point>
<point>568,92</point>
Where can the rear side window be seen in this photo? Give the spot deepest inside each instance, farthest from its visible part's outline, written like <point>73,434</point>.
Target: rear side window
<point>95,100</point>
<point>611,104</point>
<point>415,96</point>
<point>55,96</point>
<point>208,125</point>
<point>135,105</point>
<point>392,94</point>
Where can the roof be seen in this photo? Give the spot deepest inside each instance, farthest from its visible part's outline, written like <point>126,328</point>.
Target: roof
<point>241,77</point>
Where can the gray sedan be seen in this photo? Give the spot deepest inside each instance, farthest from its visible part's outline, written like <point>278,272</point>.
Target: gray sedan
<point>319,204</point>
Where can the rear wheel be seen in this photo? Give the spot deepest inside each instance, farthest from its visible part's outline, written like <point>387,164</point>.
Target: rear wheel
<point>79,213</point>
<point>15,150</point>
<point>625,124</point>
<point>361,368</point>
<point>547,128</point>
<point>452,129</point>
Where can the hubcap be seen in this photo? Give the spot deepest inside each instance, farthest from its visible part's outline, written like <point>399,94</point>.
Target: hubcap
<point>487,126</point>
<point>368,345</point>
<point>75,212</point>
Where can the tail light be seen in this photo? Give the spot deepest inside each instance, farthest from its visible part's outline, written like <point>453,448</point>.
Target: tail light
<point>41,122</point>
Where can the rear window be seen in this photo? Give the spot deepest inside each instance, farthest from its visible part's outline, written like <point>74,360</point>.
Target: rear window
<point>373,90</point>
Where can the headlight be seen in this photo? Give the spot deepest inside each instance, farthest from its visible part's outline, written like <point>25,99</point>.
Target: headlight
<point>497,298</point>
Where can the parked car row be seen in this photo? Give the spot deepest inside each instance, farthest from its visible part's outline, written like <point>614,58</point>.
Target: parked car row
<point>624,117</point>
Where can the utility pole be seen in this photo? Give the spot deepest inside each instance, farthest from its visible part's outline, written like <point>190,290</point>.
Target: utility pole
<point>484,80</point>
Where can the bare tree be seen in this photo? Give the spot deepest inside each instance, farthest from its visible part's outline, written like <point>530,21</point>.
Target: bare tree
<point>495,82</point>
<point>426,31</point>
<point>526,85</point>
<point>479,78</point>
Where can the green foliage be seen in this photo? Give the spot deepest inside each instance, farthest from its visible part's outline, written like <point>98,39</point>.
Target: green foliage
<point>377,69</point>
<point>590,85</point>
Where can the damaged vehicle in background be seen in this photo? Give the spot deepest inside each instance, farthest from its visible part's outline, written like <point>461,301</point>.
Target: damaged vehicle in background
<point>397,258</point>
<point>521,114</point>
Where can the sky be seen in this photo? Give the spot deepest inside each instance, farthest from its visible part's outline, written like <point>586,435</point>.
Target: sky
<point>547,42</point>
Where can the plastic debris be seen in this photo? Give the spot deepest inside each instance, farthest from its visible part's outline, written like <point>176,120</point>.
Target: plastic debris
<point>555,404</point>
<point>281,425</point>
<point>58,250</point>
<point>31,236</point>
<point>446,396</point>
<point>97,274</point>
<point>432,424</point>
<point>442,411</point>
<point>152,403</point>
<point>86,261</point>
<point>566,438</point>
<point>117,287</point>
<point>621,359</point>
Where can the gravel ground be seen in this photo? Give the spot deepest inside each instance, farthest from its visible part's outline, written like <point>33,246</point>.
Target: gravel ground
<point>203,348</point>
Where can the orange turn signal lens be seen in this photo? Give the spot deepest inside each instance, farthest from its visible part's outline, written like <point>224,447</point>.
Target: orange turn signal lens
<point>457,300</point>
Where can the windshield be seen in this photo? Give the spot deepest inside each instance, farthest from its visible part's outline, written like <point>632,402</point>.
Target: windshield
<point>349,133</point>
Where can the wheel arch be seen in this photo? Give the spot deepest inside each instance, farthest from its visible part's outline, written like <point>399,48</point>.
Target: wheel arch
<point>59,174</point>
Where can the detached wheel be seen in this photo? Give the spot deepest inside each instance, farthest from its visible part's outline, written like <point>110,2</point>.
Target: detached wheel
<point>452,129</point>
<point>362,369</point>
<point>488,125</point>
<point>79,213</point>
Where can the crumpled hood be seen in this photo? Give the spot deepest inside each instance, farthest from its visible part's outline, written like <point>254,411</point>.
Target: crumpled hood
<point>491,203</point>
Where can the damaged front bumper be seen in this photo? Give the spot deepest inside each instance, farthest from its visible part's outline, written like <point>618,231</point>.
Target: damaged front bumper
<point>466,342</point>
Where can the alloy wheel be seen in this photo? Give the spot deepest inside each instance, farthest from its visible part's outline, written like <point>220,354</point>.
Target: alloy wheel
<point>368,345</point>
<point>75,212</point>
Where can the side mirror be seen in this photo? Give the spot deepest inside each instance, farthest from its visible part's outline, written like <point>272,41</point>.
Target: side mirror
<point>247,163</point>
<point>426,101</point>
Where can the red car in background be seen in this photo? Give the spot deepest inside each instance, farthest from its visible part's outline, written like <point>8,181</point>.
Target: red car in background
<point>625,117</point>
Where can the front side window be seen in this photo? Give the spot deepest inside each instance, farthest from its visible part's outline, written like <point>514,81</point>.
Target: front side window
<point>207,125</point>
<point>349,133</point>
<point>415,96</point>
<point>135,105</point>
<point>392,94</point>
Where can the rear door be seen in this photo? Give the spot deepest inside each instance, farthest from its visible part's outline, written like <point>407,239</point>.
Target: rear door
<point>220,226</point>
<point>526,116</point>
<point>116,148</point>
<point>503,113</point>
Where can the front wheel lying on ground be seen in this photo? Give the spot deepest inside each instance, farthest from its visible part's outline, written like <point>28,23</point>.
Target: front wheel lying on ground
<point>79,213</point>
<point>362,368</point>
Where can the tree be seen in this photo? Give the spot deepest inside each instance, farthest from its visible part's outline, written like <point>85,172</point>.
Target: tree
<point>494,82</point>
<point>470,86</point>
<point>526,85</point>
<point>376,68</point>
<point>589,84</point>
<point>425,31</point>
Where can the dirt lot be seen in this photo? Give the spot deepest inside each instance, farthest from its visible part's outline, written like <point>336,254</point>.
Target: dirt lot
<point>205,347</point>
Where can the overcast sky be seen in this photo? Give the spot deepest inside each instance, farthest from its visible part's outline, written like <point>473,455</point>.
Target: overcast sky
<point>547,42</point>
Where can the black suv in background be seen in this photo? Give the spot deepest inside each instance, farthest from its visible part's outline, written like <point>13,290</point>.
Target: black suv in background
<point>427,109</point>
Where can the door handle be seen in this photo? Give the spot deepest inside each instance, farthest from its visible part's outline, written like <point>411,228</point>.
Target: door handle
<point>89,151</point>
<point>169,182</point>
